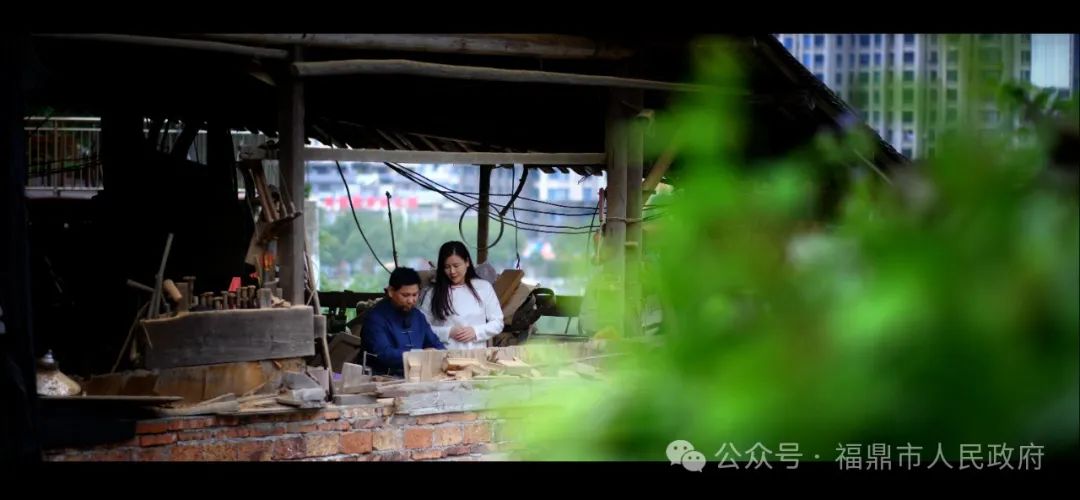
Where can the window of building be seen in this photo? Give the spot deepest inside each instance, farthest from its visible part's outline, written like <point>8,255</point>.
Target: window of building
<point>932,57</point>
<point>789,43</point>
<point>839,40</point>
<point>909,39</point>
<point>952,56</point>
<point>951,95</point>
<point>877,77</point>
<point>908,96</point>
<point>806,41</point>
<point>820,76</point>
<point>1025,75</point>
<point>819,40</point>
<point>909,58</point>
<point>864,77</point>
<point>907,117</point>
<point>906,152</point>
<point>877,40</point>
<point>889,118</point>
<point>932,75</point>
<point>952,75</point>
<point>1025,56</point>
<point>877,97</point>
<point>909,75</point>
<point>819,60</point>
<point>839,60</point>
<point>890,59</point>
<point>877,114</point>
<point>806,59</point>
<point>839,79</point>
<point>864,59</point>
<point>877,59</point>
<point>864,40</point>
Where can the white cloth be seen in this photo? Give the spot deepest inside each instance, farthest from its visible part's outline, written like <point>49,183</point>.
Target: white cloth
<point>485,317</point>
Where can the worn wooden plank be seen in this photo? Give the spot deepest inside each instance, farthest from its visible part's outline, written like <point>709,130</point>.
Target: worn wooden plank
<point>506,284</point>
<point>453,157</point>
<point>460,72</point>
<point>201,338</point>
<point>343,349</point>
<point>545,46</point>
<point>228,48</point>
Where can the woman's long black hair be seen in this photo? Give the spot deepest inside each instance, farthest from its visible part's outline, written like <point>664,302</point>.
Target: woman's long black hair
<point>440,301</point>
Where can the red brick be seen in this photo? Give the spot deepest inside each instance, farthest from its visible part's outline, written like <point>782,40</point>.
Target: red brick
<point>191,423</point>
<point>461,417</point>
<point>427,454</point>
<point>334,426</point>
<point>233,433</point>
<point>320,445</point>
<point>457,450</point>
<point>151,426</point>
<point>301,427</point>
<point>390,456</point>
<point>157,439</point>
<point>227,421</point>
<point>330,415</point>
<point>154,454</point>
<point>482,448</point>
<point>186,453</point>
<point>263,430</point>
<point>194,435</point>
<point>288,448</point>
<point>255,451</point>
<point>418,437</point>
<point>360,412</point>
<point>387,439</point>
<point>219,452</point>
<point>119,455</point>
<point>477,432</point>
<point>431,419</point>
<point>447,435</point>
<point>368,423</point>
<point>356,442</point>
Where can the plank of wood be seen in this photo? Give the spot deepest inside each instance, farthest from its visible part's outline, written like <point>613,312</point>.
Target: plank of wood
<point>437,70</point>
<point>202,338</point>
<point>343,349</point>
<point>450,157</point>
<point>506,284</point>
<point>354,399</point>
<point>201,409</point>
<point>515,301</point>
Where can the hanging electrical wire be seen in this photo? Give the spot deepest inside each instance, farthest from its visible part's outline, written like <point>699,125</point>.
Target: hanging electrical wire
<point>356,219</point>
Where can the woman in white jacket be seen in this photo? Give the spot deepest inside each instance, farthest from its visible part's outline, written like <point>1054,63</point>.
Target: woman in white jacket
<point>463,310</point>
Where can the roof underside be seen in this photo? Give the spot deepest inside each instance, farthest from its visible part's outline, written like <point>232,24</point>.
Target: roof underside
<point>788,104</point>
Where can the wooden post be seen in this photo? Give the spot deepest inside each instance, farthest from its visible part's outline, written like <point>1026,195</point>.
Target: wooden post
<point>615,263</point>
<point>634,172</point>
<point>291,161</point>
<point>482,210</point>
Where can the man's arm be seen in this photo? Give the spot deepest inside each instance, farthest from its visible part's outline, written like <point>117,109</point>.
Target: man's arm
<point>375,339</point>
<point>430,338</point>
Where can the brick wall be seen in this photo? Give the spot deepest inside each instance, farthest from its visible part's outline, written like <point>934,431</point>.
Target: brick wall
<point>349,433</point>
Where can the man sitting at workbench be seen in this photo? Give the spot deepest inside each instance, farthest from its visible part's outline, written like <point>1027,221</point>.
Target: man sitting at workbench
<point>395,326</point>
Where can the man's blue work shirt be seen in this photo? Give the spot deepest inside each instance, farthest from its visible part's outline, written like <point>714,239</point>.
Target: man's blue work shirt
<point>388,332</point>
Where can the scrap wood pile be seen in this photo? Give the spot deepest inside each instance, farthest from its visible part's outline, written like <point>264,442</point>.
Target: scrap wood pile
<point>533,361</point>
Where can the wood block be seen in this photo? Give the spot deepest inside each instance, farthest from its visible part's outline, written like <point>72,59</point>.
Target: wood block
<point>507,283</point>
<point>208,337</point>
<point>343,349</point>
<point>354,399</point>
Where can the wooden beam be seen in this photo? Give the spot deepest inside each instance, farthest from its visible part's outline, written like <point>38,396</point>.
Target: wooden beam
<point>436,70</point>
<point>635,152</point>
<point>544,46</point>
<point>616,187</point>
<point>461,158</point>
<point>177,43</point>
<point>291,161</point>
<point>482,219</point>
